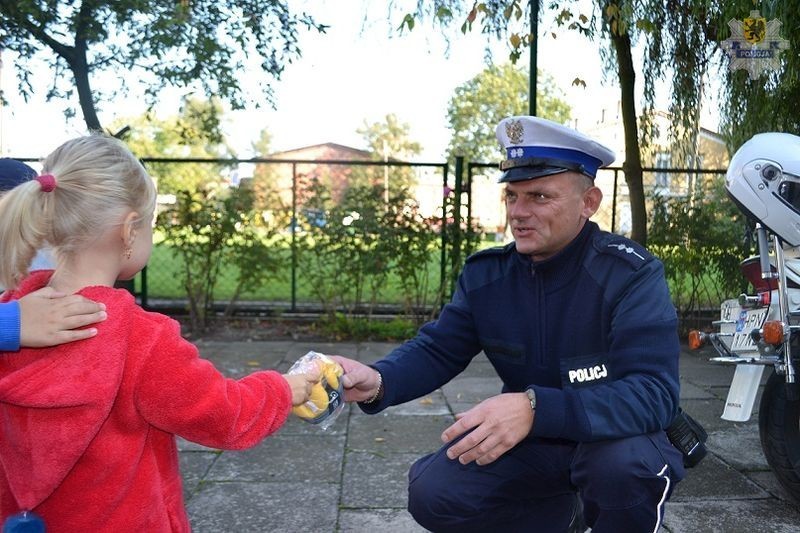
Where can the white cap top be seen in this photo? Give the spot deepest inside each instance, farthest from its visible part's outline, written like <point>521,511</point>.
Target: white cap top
<point>537,147</point>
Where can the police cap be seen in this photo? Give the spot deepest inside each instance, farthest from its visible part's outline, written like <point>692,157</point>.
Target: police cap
<point>536,147</point>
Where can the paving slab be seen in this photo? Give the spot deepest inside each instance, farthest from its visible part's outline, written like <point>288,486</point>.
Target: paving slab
<point>236,359</point>
<point>472,390</point>
<point>713,479</point>
<point>376,480</point>
<point>388,433</point>
<point>737,516</point>
<point>311,459</point>
<point>194,468</point>
<point>707,413</point>
<point>383,520</point>
<point>356,471</point>
<point>770,483</point>
<point>739,445</point>
<point>264,507</point>
<point>372,351</point>
<point>690,391</point>
<point>434,403</point>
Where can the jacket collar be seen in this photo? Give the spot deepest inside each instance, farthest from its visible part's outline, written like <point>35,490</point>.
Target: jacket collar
<point>566,262</point>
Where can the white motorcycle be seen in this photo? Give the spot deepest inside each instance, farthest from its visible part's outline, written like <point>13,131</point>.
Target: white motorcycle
<point>761,330</point>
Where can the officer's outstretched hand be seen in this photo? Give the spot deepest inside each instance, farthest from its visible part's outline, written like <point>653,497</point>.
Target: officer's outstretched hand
<point>359,380</point>
<point>498,424</point>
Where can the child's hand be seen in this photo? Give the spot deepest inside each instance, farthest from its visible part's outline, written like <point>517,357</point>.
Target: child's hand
<point>301,386</point>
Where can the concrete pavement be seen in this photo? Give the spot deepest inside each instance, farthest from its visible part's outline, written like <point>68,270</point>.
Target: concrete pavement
<point>352,477</point>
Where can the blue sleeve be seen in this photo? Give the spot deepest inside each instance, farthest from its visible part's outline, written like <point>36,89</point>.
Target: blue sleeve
<point>9,326</point>
<point>643,395</point>
<point>439,352</point>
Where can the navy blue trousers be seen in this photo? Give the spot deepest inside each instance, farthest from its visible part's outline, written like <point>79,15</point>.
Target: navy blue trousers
<point>623,484</point>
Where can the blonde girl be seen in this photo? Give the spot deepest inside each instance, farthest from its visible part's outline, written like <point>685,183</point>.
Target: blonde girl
<point>88,428</point>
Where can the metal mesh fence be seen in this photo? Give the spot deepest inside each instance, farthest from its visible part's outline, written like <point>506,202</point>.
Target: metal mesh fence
<point>314,216</point>
<point>444,210</point>
<point>298,202</point>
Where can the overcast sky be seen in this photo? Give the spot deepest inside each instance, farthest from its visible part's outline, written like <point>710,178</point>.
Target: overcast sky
<point>360,70</point>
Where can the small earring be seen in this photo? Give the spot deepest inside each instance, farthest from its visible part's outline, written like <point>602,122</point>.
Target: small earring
<point>127,252</point>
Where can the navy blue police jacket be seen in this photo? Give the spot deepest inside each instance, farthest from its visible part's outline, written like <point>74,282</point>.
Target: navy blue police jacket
<point>592,329</point>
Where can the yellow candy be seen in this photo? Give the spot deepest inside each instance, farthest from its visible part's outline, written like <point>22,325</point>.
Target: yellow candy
<point>332,372</point>
<point>319,397</point>
<point>303,411</point>
<point>319,401</point>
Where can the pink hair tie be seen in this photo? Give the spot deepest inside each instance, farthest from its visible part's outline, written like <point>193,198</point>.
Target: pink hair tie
<point>47,182</point>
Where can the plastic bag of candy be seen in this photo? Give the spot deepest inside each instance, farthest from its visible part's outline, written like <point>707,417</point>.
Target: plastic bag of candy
<point>327,396</point>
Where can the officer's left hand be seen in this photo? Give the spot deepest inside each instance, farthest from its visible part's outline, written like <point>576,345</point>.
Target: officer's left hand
<point>500,423</point>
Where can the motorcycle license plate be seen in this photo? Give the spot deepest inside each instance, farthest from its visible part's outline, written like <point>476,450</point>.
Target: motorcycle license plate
<point>746,320</point>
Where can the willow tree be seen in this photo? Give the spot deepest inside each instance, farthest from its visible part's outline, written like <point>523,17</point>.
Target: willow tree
<point>676,56</point>
<point>668,31</point>
<point>202,45</point>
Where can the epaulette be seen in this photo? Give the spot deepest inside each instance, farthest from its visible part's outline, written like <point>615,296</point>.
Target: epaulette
<point>630,251</point>
<point>494,251</point>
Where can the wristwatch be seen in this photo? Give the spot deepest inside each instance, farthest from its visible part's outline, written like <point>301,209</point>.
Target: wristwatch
<point>531,397</point>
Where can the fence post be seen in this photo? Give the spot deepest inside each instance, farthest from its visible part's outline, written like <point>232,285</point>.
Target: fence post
<point>468,190</point>
<point>294,237</point>
<point>143,280</point>
<point>443,232</point>
<point>614,202</point>
<point>455,262</point>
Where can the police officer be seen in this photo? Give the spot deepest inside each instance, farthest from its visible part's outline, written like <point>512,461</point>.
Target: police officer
<point>580,327</point>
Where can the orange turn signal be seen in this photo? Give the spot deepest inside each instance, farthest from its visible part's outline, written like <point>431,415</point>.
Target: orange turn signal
<point>696,339</point>
<point>772,332</point>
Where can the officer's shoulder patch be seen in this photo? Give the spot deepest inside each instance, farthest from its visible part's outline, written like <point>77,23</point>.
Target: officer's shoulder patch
<point>629,251</point>
<point>490,252</point>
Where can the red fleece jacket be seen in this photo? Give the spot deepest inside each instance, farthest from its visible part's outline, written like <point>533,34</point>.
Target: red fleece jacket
<point>88,428</point>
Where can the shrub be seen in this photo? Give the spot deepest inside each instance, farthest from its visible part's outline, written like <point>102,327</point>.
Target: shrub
<point>212,227</point>
<point>700,240</point>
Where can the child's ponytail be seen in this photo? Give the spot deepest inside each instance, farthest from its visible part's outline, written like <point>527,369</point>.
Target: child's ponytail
<point>24,222</point>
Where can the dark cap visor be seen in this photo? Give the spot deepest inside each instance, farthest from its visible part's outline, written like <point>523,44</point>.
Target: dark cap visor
<point>528,173</point>
<point>537,167</point>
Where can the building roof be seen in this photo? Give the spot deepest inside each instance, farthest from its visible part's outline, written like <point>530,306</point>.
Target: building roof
<point>331,151</point>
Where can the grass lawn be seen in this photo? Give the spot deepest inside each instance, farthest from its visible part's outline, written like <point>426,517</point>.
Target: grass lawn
<point>165,280</point>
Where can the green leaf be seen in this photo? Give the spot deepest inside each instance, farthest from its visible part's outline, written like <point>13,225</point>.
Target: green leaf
<point>444,14</point>
<point>408,22</point>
